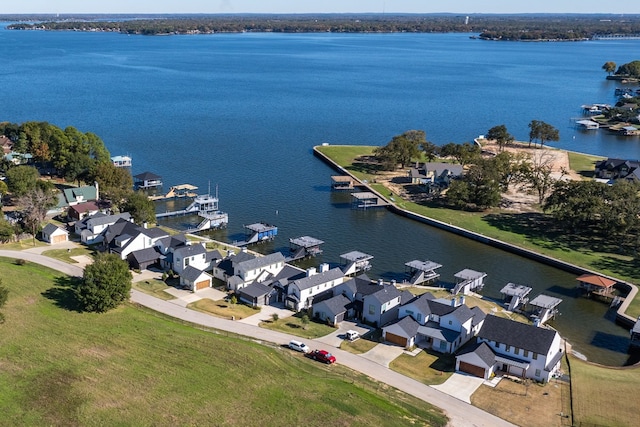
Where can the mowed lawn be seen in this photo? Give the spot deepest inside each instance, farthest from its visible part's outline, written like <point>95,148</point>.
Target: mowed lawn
<point>132,367</point>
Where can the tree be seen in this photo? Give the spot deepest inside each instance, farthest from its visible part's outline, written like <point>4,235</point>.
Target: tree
<point>105,285</point>
<point>500,135</point>
<point>609,67</point>
<point>430,150</point>
<point>577,205</point>
<point>34,207</point>
<point>22,179</point>
<point>630,69</point>
<point>463,153</point>
<point>542,132</point>
<point>401,149</point>
<point>305,321</point>
<point>142,209</point>
<point>536,175</point>
<point>4,189</point>
<point>114,183</point>
<point>6,231</point>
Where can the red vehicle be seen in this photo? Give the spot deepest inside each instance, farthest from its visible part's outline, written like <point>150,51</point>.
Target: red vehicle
<point>323,356</point>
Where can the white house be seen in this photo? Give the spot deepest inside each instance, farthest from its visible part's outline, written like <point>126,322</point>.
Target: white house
<point>125,237</point>
<point>53,234</point>
<point>514,348</point>
<point>90,228</point>
<point>258,269</point>
<point>195,279</point>
<point>301,292</point>
<point>190,255</point>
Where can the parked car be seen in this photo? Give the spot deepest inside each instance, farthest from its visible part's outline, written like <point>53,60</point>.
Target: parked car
<point>323,356</point>
<point>352,335</point>
<point>299,346</point>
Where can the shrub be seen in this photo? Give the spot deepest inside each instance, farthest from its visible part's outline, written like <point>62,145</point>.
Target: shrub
<point>164,276</point>
<point>275,317</point>
<point>233,299</point>
<point>21,261</point>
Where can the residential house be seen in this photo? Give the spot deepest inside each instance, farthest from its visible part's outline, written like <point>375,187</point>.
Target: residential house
<point>514,348</point>
<point>612,168</point>
<point>355,289</point>
<point>258,269</point>
<point>91,227</point>
<point>441,325</point>
<point>124,237</point>
<point>6,145</point>
<point>194,255</point>
<point>225,269</point>
<point>381,307</point>
<point>435,174</point>
<point>82,210</point>
<point>53,234</point>
<point>316,285</point>
<point>144,258</point>
<point>333,310</point>
<point>195,279</point>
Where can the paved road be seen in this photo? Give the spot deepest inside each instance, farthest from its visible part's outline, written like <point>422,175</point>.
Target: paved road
<point>461,414</point>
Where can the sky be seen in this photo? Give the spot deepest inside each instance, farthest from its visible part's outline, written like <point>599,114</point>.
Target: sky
<point>320,6</point>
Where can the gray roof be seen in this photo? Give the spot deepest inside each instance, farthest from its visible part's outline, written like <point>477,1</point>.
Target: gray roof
<point>467,274</point>
<point>191,273</point>
<point>636,327</point>
<point>306,241</point>
<point>422,302</point>
<point>433,330</point>
<point>513,289</point>
<point>386,294</point>
<point>190,250</point>
<point>408,325</point>
<point>482,350</point>
<point>145,255</point>
<point>102,219</point>
<point>214,255</point>
<point>173,241</point>
<point>356,256</point>
<point>478,315</point>
<point>255,290</point>
<point>439,308</point>
<point>259,262</point>
<point>462,313</point>
<point>51,228</point>
<point>423,265</point>
<point>147,176</point>
<point>334,305</point>
<point>155,232</point>
<point>516,334</point>
<point>319,278</point>
<point>545,301</point>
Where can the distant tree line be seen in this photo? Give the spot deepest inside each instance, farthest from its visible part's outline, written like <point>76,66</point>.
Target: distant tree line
<point>498,27</point>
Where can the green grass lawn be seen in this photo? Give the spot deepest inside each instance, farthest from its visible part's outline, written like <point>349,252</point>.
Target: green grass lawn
<point>293,325</point>
<point>525,230</point>
<point>604,396</point>
<point>22,244</point>
<point>131,367</point>
<point>154,287</point>
<point>223,308</point>
<point>428,368</point>
<point>358,346</point>
<point>65,255</point>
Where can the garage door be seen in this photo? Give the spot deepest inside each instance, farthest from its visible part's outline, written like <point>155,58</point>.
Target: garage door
<point>396,339</point>
<point>59,239</point>
<point>202,285</point>
<point>472,369</point>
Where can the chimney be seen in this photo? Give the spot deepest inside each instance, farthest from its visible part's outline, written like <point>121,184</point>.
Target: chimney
<point>244,249</point>
<point>145,225</point>
<point>380,282</point>
<point>453,301</point>
<point>461,300</point>
<point>311,271</point>
<point>324,267</point>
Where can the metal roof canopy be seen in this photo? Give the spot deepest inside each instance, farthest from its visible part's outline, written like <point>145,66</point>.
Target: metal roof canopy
<point>306,241</point>
<point>545,301</point>
<point>514,289</point>
<point>423,265</point>
<point>354,256</point>
<point>260,226</point>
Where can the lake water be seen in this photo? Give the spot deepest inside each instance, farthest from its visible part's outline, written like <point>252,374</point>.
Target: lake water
<point>242,111</point>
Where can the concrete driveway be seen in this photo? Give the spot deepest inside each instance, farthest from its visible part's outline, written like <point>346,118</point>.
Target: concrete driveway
<point>461,386</point>
<point>334,339</point>
<point>266,313</point>
<point>383,354</point>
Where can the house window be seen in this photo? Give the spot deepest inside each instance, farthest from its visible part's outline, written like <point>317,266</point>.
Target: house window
<point>535,356</point>
<point>409,312</point>
<point>186,261</point>
<point>372,309</point>
<point>538,373</point>
<point>507,348</point>
<point>450,322</point>
<point>517,350</point>
<point>443,345</point>
<point>526,353</point>
<point>419,317</point>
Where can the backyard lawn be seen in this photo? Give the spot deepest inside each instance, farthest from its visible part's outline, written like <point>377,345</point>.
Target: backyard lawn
<point>131,366</point>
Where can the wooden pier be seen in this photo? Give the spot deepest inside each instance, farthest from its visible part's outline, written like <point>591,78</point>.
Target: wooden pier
<point>177,191</point>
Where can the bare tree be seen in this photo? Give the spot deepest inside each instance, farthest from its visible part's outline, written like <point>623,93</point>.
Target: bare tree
<point>537,174</point>
<point>34,206</point>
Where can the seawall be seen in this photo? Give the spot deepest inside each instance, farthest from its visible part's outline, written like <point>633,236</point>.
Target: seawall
<point>621,316</point>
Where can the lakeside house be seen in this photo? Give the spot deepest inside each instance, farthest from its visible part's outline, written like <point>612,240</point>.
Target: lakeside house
<point>612,169</point>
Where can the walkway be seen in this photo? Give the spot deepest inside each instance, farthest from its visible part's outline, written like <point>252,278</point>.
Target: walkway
<point>460,413</point>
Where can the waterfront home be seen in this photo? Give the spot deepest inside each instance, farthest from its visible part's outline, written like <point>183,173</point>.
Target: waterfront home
<point>257,294</point>
<point>190,255</point>
<point>6,144</point>
<point>435,174</point>
<point>316,284</point>
<point>441,325</point>
<point>53,234</point>
<point>82,210</point>
<point>381,307</point>
<point>124,237</point>
<point>594,284</point>
<point>244,268</point>
<point>514,348</point>
<point>612,168</point>
<point>91,227</point>
<point>355,289</point>
<point>74,196</point>
<point>121,161</point>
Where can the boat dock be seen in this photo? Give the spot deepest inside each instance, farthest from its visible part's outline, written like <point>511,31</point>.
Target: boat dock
<point>515,295</point>
<point>544,308</point>
<point>342,182</point>
<point>354,262</point>
<point>422,272</point>
<point>367,200</point>
<point>182,190</point>
<point>303,247</point>
<point>206,207</point>
<point>258,232</point>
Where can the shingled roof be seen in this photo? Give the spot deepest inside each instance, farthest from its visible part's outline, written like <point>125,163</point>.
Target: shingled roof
<point>516,334</point>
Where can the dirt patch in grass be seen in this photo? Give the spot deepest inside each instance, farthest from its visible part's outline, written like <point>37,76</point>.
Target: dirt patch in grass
<point>525,404</point>
<point>222,308</point>
<point>428,368</point>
